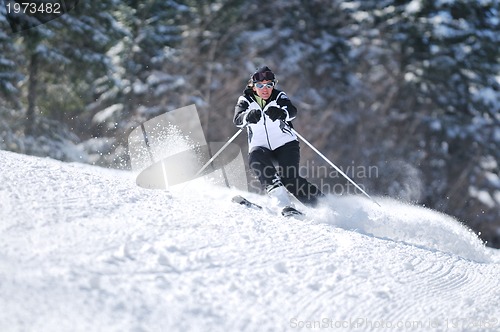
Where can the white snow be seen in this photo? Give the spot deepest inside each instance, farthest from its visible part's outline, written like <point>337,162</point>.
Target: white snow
<point>483,196</point>
<point>85,249</point>
<point>107,113</point>
<point>414,6</point>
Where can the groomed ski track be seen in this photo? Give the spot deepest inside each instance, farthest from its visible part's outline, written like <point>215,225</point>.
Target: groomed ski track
<point>84,249</point>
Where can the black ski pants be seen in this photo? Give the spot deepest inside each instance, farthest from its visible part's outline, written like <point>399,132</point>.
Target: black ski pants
<point>284,161</point>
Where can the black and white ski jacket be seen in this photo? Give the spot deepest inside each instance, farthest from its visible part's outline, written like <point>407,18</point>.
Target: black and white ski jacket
<point>266,133</point>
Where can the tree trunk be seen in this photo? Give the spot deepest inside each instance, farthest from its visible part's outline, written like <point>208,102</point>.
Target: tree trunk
<point>32,88</point>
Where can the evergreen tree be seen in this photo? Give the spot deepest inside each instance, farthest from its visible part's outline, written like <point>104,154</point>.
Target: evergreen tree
<point>139,56</point>
<point>432,67</point>
<point>9,74</point>
<point>67,50</point>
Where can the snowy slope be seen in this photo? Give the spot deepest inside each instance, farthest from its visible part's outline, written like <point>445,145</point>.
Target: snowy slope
<point>84,249</point>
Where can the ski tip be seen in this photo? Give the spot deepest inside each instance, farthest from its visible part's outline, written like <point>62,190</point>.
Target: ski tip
<point>243,201</point>
<point>238,199</point>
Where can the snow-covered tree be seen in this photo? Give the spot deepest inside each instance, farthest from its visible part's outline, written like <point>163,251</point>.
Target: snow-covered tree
<point>432,69</point>
<point>65,52</point>
<point>152,33</point>
<point>9,74</point>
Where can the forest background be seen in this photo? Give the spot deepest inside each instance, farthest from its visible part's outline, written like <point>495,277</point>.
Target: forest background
<point>402,94</point>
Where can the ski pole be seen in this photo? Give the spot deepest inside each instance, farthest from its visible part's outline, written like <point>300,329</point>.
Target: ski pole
<point>146,140</point>
<point>334,166</point>
<point>219,152</point>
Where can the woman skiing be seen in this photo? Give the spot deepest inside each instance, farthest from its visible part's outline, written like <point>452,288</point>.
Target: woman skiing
<point>274,151</point>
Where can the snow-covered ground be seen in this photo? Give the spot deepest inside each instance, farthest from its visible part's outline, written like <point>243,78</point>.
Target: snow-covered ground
<point>85,249</point>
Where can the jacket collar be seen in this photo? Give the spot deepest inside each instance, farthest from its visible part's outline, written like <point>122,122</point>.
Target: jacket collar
<point>250,94</point>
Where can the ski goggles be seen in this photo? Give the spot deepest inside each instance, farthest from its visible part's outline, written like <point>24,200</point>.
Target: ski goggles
<point>265,76</point>
<point>262,85</point>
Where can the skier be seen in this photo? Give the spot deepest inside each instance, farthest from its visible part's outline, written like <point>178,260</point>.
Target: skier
<point>267,114</point>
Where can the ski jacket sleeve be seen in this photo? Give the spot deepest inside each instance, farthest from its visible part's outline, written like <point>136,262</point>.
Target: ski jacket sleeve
<point>285,103</point>
<point>240,112</point>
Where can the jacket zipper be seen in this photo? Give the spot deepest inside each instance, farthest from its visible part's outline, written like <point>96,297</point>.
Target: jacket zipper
<point>267,133</point>
<point>265,125</point>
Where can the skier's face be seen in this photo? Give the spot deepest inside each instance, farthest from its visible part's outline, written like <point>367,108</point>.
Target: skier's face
<point>264,89</point>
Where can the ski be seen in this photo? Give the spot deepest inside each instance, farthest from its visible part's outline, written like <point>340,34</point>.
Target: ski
<point>243,201</point>
<point>287,211</point>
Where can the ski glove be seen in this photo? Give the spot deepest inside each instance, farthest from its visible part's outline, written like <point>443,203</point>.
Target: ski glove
<point>276,113</point>
<point>253,116</point>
